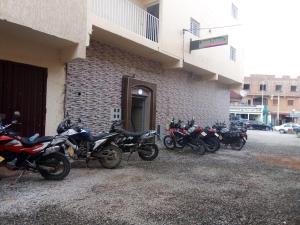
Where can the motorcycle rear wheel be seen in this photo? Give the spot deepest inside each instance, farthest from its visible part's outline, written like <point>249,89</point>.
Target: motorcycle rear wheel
<point>237,145</point>
<point>111,157</point>
<point>54,161</point>
<point>212,144</point>
<point>149,152</point>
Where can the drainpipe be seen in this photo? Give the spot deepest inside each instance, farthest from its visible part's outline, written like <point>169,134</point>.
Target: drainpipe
<point>65,89</point>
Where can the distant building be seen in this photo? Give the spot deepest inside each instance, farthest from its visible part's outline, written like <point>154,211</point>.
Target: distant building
<point>281,97</point>
<point>240,109</point>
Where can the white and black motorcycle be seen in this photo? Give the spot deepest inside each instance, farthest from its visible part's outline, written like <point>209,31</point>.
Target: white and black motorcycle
<point>82,145</point>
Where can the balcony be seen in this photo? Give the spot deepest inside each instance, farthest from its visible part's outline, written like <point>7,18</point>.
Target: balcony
<point>128,16</point>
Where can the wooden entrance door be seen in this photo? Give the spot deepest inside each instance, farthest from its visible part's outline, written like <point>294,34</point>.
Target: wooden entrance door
<point>23,88</point>
<point>137,94</point>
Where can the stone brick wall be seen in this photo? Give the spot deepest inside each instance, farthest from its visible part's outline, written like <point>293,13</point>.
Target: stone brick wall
<point>94,87</point>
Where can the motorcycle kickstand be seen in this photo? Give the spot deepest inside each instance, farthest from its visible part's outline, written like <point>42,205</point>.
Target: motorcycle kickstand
<point>18,178</point>
<point>87,163</point>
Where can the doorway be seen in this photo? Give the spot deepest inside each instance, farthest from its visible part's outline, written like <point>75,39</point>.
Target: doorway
<point>140,108</point>
<point>23,88</point>
<point>138,113</point>
<point>138,104</point>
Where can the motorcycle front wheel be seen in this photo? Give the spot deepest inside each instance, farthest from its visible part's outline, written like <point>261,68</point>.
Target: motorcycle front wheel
<point>111,157</point>
<point>169,142</point>
<point>148,152</point>
<point>54,166</point>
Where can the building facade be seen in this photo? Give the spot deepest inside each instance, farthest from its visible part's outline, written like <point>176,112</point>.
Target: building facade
<point>119,59</point>
<point>280,95</point>
<point>37,39</point>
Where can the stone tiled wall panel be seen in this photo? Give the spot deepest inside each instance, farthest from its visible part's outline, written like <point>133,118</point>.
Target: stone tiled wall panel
<point>94,87</point>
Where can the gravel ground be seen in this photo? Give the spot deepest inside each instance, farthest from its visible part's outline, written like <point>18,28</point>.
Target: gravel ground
<point>181,187</point>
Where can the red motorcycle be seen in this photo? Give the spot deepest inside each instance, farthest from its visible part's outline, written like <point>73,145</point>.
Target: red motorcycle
<point>180,136</point>
<point>45,155</point>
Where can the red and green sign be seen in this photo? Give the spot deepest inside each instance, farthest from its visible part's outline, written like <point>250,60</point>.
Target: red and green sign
<point>208,43</point>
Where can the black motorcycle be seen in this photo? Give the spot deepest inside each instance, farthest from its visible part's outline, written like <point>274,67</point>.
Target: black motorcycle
<point>84,146</point>
<point>235,138</point>
<point>141,142</point>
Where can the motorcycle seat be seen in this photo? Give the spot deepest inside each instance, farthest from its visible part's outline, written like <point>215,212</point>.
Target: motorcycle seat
<point>130,133</point>
<point>27,143</point>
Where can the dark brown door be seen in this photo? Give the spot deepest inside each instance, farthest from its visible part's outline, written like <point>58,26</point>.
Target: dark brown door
<point>23,88</point>
<point>138,104</point>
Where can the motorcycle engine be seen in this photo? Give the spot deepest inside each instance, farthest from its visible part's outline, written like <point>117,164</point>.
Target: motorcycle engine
<point>81,152</point>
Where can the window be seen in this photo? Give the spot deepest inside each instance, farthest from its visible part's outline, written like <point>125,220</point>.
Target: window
<point>247,87</point>
<point>278,87</point>
<point>262,87</point>
<point>275,102</point>
<point>234,11</point>
<point>232,53</point>
<point>290,102</point>
<point>293,88</point>
<point>249,102</point>
<point>195,27</point>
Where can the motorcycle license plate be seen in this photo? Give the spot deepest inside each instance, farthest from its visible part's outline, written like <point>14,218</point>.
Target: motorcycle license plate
<point>1,159</point>
<point>70,151</point>
<point>217,135</point>
<point>203,134</point>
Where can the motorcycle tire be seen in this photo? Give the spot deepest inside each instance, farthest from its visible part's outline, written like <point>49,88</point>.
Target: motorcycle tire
<point>212,144</point>
<point>169,142</point>
<point>238,145</point>
<point>51,160</point>
<point>111,157</point>
<point>149,157</point>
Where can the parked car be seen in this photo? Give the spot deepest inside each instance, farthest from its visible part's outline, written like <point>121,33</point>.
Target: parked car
<point>256,125</point>
<point>242,123</point>
<point>285,127</point>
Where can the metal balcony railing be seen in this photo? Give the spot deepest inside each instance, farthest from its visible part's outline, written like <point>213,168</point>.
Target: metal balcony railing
<point>127,15</point>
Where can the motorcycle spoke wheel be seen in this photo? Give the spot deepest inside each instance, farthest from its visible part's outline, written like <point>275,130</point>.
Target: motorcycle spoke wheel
<point>169,142</point>
<point>111,157</point>
<point>148,152</point>
<point>237,146</point>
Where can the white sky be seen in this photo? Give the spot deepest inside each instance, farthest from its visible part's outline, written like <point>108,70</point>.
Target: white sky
<point>272,36</point>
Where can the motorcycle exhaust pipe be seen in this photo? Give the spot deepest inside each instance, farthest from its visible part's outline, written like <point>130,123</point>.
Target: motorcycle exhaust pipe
<point>70,144</point>
<point>51,150</point>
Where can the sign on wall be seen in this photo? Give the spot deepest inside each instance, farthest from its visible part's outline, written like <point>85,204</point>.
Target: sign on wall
<point>208,43</point>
